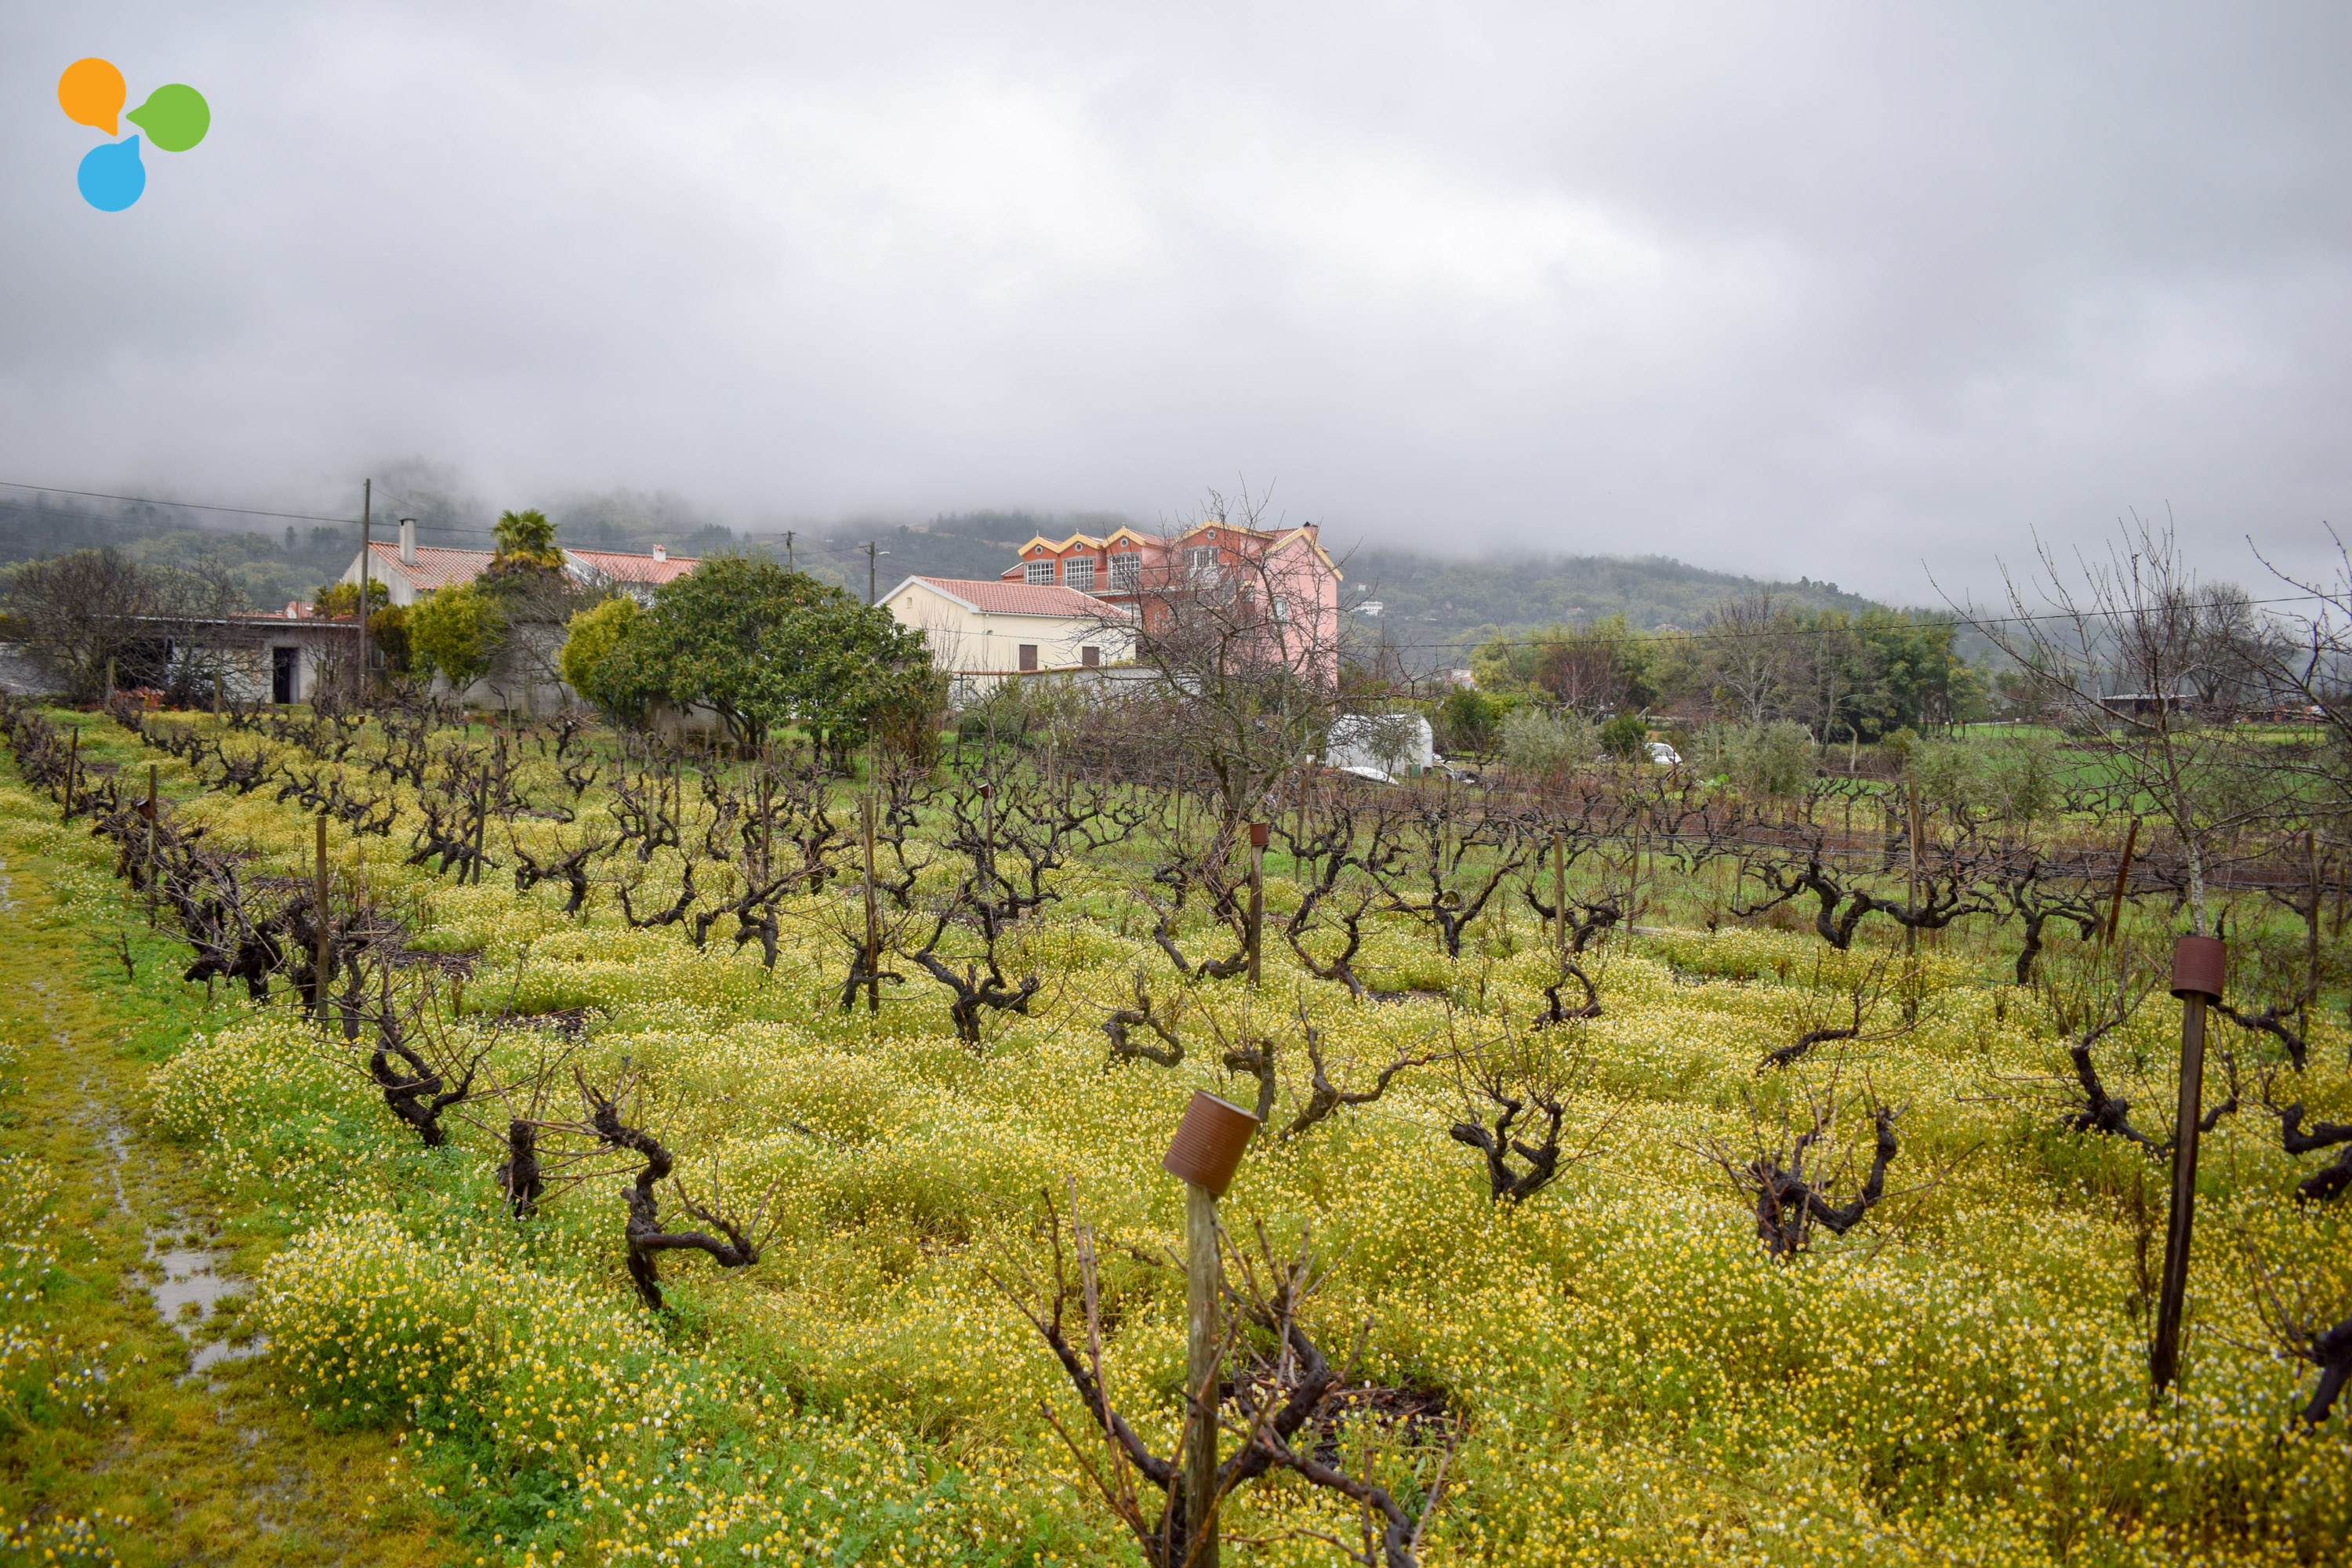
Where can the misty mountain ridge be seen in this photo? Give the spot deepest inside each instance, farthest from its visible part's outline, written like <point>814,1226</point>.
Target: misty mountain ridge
<point>1431,607</point>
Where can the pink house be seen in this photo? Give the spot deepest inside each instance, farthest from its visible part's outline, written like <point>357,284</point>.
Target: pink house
<point>1286,574</point>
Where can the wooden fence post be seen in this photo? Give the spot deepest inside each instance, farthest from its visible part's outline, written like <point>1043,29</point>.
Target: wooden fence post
<point>1559,892</point>
<point>324,955</point>
<point>873,916</point>
<point>1206,1150</point>
<point>2123,878</point>
<point>2199,963</point>
<point>152,811</point>
<point>1257,894</point>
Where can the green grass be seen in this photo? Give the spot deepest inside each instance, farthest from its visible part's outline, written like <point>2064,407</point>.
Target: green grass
<point>137,1461</point>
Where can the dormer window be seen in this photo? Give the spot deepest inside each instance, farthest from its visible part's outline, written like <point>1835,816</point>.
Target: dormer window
<point>1126,572</point>
<point>1079,572</point>
<point>1038,574</point>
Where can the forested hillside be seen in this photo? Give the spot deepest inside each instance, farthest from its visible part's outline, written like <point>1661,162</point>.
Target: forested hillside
<point>1432,607</point>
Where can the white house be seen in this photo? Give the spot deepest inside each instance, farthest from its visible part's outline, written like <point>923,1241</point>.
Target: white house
<point>982,632</point>
<point>524,675</point>
<point>409,570</point>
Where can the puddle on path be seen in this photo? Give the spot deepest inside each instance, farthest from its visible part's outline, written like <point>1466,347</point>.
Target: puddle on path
<point>194,1273</point>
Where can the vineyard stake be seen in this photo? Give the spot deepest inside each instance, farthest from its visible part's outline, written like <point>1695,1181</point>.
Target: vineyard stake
<point>150,846</point>
<point>2123,875</point>
<point>1559,891</point>
<point>873,917</point>
<point>2197,965</point>
<point>481,826</point>
<point>73,771</point>
<point>1257,894</point>
<point>1205,1151</point>
<point>325,947</point>
<point>1911,932</point>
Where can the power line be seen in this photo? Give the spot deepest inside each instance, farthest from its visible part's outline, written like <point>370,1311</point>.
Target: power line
<point>187,505</point>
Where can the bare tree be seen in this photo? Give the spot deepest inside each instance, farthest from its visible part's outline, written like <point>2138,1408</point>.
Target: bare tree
<point>740,1237</point>
<point>2150,666</point>
<point>1823,1022</point>
<point>1287,1408</point>
<point>1516,1092</point>
<point>95,610</point>
<point>1238,623</point>
<point>2296,1316</point>
<point>1789,1200</point>
<point>1325,1098</point>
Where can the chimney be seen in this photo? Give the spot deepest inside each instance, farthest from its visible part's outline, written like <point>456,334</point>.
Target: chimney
<point>661,551</point>
<point>408,542</point>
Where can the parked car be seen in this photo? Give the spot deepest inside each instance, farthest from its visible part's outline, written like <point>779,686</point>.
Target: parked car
<point>1665,757</point>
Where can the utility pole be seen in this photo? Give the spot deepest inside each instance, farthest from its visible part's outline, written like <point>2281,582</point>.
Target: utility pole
<point>870,553</point>
<point>788,549</point>
<point>367,507</point>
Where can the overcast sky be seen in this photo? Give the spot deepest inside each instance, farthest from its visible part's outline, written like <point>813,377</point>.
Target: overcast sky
<point>1791,290</point>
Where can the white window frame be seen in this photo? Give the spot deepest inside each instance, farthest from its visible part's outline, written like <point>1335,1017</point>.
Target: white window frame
<point>1201,563</point>
<point>1126,572</point>
<point>1037,573</point>
<point>1078,572</point>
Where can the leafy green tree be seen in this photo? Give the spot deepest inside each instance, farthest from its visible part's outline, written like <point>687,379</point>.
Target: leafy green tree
<point>339,599</point>
<point>388,635</point>
<point>1774,759</point>
<point>763,647</point>
<point>587,663</point>
<point>1626,736</point>
<point>1541,742</point>
<point>457,632</point>
<point>1469,723</point>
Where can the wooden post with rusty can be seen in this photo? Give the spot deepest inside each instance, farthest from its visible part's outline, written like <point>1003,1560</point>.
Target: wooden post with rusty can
<point>1205,1152</point>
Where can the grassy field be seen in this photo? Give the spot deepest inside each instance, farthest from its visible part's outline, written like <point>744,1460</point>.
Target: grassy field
<point>116,1448</point>
<point>1628,1376</point>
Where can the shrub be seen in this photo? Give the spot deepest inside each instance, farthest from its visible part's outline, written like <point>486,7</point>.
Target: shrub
<point>1541,742</point>
<point>592,636</point>
<point>457,632</point>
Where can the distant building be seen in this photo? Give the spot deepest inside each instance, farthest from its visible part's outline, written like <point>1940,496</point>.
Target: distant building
<point>410,571</point>
<point>982,632</point>
<point>522,678</point>
<point>1151,576</point>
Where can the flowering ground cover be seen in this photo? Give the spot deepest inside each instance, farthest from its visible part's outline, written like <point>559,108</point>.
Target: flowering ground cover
<point>1615,1366</point>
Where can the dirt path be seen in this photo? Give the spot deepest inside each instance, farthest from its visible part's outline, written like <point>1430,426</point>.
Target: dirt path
<point>139,1426</point>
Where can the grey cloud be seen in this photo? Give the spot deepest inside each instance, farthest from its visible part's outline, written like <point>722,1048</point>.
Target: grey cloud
<point>1821,289</point>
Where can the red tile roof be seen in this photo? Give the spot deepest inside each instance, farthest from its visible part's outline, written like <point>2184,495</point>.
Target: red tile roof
<point>623,568</point>
<point>436,567</point>
<point>1020,598</point>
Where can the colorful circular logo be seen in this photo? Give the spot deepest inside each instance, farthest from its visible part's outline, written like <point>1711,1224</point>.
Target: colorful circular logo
<point>175,118</point>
